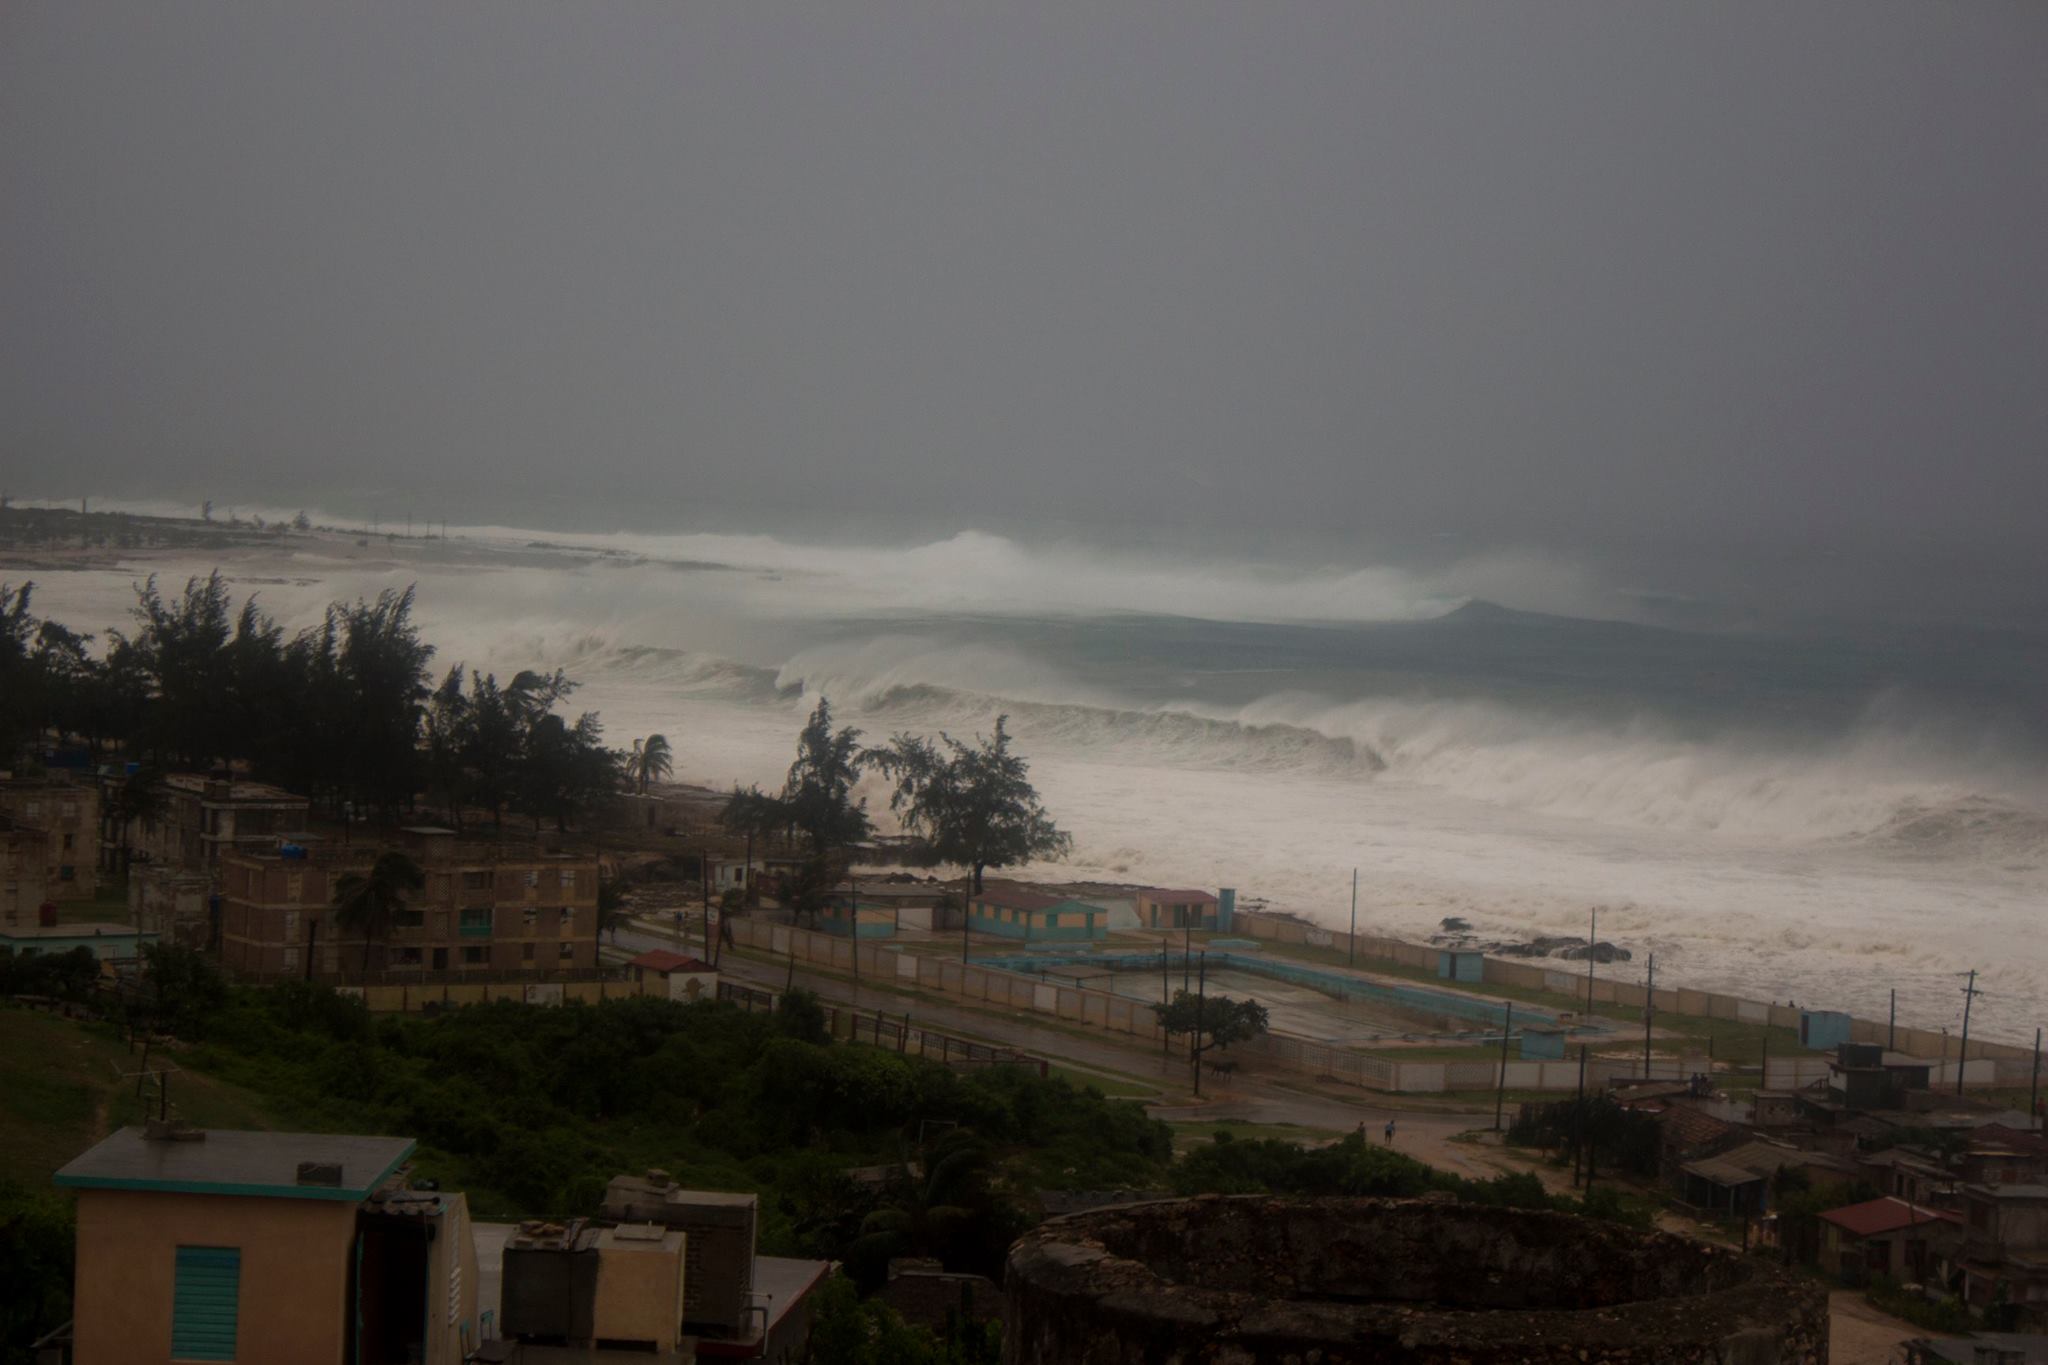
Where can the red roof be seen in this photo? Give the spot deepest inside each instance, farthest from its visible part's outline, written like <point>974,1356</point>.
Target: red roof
<point>663,961</point>
<point>1880,1216</point>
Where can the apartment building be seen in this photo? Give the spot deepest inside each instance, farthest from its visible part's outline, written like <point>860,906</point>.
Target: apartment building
<point>69,813</point>
<point>204,818</point>
<point>487,911</point>
<point>24,862</point>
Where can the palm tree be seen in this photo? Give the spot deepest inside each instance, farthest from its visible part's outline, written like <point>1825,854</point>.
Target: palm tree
<point>930,1211</point>
<point>140,798</point>
<point>652,761</point>
<point>370,903</point>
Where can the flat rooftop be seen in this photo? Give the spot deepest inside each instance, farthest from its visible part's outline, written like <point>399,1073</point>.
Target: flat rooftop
<point>236,1162</point>
<point>85,929</point>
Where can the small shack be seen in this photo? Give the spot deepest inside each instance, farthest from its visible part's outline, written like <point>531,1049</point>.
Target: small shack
<point>1823,1029</point>
<point>1461,964</point>
<point>1886,1236</point>
<point>681,977</point>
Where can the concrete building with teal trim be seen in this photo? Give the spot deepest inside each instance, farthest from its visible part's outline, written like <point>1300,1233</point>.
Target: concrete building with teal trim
<point>242,1246</point>
<point>1034,917</point>
<point>104,941</point>
<point>1158,909</point>
<point>847,915</point>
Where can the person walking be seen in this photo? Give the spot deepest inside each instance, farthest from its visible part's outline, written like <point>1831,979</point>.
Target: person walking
<point>1390,1132</point>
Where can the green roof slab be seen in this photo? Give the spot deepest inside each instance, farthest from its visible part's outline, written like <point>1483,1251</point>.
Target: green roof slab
<point>237,1162</point>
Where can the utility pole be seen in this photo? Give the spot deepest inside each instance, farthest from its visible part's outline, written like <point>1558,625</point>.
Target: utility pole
<point>2034,1086</point>
<point>1970,994</point>
<point>1201,1018</point>
<point>1500,1092</point>
<point>1891,1028</point>
<point>1352,959</point>
<point>1592,935</point>
<point>1649,1009</point>
<point>1187,953</point>
<point>1579,1120</point>
<point>966,918</point>
<point>853,938</point>
<point>1165,985</point>
<point>1763,1077</point>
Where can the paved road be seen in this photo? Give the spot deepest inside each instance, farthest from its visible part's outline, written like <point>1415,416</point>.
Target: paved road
<point>1251,1098</point>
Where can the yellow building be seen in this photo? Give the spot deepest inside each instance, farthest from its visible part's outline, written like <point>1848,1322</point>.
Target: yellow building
<point>243,1246</point>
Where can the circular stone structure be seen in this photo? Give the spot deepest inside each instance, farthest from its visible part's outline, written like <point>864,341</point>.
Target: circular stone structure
<point>1244,1279</point>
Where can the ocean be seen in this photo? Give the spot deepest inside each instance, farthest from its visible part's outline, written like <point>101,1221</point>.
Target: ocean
<point>1819,811</point>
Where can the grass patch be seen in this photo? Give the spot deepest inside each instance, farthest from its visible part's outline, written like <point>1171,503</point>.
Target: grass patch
<point>1110,1084</point>
<point>61,1090</point>
<point>1190,1135</point>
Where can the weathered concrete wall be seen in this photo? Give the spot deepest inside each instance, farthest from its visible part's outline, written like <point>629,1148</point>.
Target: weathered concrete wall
<point>1256,1279</point>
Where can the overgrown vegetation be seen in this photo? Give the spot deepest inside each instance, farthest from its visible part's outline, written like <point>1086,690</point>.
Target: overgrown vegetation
<point>533,1110</point>
<point>1353,1166</point>
<point>1592,1127</point>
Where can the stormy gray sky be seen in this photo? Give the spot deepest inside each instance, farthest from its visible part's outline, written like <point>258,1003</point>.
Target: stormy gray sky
<point>1748,277</point>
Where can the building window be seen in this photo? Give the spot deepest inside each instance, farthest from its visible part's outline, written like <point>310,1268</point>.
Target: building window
<point>526,954</point>
<point>476,957</point>
<point>568,918</point>
<point>206,1303</point>
<point>1052,920</point>
<point>67,843</point>
<point>568,951</point>
<point>408,919</point>
<point>530,917</point>
<point>476,881</point>
<point>405,957</point>
<point>66,873</point>
<point>476,922</point>
<point>568,879</point>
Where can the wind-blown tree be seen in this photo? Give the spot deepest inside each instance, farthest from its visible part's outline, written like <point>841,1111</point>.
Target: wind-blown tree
<point>183,645</point>
<point>752,812</point>
<point>973,803</point>
<point>564,769</point>
<point>1218,1019</point>
<point>819,792</point>
<point>652,762</point>
<point>369,903</point>
<point>17,671</point>
<point>490,747</point>
<point>384,668</point>
<point>444,728</point>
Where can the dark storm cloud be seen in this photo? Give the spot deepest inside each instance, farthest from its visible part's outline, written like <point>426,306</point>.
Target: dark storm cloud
<point>1727,275</point>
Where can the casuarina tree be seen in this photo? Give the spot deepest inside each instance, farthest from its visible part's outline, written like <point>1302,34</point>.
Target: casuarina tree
<point>973,803</point>
<point>819,792</point>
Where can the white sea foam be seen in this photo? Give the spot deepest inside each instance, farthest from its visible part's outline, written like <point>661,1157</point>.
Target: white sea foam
<point>1826,869</point>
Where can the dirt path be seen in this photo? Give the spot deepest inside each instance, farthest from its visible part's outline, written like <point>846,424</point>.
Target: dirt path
<point>1860,1335</point>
